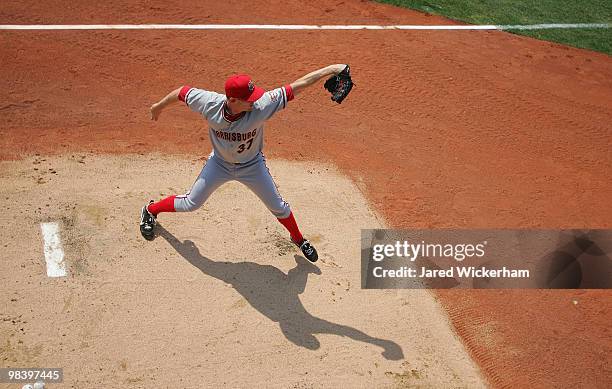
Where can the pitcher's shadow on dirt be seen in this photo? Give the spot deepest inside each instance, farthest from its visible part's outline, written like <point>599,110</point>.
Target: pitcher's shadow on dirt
<point>275,295</point>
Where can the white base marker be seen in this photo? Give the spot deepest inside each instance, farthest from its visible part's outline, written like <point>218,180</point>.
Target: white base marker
<point>54,254</point>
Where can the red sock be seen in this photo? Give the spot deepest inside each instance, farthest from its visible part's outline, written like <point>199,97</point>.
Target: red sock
<point>291,226</point>
<point>165,205</point>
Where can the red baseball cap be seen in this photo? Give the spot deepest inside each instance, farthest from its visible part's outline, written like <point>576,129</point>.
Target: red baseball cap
<point>241,86</point>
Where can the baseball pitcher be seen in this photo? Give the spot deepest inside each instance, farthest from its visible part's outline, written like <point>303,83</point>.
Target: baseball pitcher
<point>236,129</point>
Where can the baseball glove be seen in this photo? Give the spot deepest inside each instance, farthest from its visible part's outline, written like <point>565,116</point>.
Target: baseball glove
<point>340,85</point>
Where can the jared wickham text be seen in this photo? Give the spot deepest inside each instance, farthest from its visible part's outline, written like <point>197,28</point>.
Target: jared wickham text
<point>456,271</point>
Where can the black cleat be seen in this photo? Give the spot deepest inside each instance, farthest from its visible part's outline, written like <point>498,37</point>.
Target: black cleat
<point>147,223</point>
<point>308,250</point>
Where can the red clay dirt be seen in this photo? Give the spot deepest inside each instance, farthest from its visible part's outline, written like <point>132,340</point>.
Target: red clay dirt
<point>444,129</point>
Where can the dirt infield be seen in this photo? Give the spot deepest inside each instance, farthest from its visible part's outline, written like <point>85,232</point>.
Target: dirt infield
<point>217,295</point>
<point>461,129</point>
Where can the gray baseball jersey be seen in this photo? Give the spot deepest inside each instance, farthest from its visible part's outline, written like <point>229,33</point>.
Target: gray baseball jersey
<point>235,139</point>
<point>237,148</point>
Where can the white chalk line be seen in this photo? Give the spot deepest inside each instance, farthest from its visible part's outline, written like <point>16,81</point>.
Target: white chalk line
<point>292,27</point>
<point>54,254</point>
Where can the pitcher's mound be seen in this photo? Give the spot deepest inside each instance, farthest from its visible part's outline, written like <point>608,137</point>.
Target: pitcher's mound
<point>220,298</point>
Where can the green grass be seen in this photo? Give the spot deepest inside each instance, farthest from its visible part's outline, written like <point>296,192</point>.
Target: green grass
<point>529,12</point>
